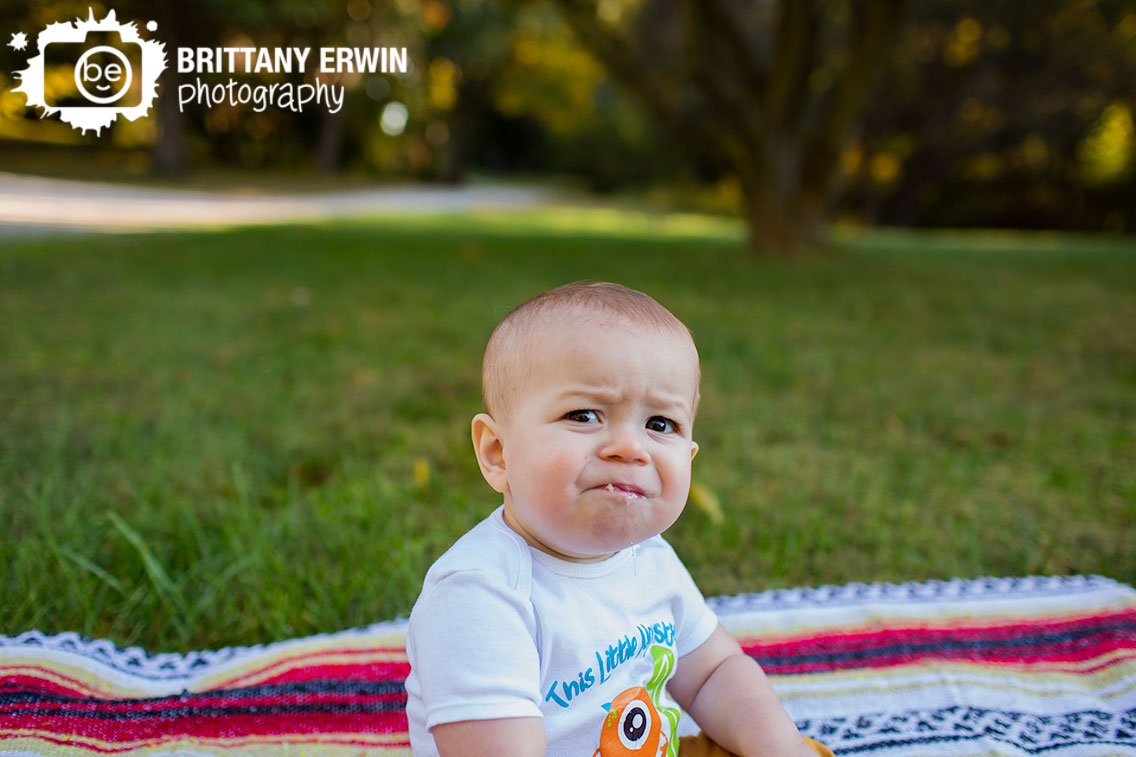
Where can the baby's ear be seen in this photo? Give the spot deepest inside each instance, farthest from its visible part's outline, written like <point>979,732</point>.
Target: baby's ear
<point>693,449</point>
<point>490,451</point>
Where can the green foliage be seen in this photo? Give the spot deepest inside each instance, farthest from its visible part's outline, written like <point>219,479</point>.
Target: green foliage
<point>1004,114</point>
<point>1108,152</point>
<point>996,113</point>
<point>234,437</point>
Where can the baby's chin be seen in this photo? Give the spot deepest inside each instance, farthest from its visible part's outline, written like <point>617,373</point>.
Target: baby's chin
<point>617,529</point>
<point>603,540</point>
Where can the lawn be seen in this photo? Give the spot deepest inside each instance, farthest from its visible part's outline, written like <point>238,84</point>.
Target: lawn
<point>232,437</point>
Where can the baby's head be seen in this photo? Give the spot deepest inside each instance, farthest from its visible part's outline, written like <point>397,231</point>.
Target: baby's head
<point>590,393</point>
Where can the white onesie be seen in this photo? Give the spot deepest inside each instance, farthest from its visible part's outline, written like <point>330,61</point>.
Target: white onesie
<point>503,630</point>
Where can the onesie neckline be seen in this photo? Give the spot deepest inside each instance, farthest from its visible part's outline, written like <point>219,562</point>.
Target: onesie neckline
<point>566,567</point>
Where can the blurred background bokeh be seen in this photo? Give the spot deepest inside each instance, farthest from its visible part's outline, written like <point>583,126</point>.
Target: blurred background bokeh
<point>934,113</point>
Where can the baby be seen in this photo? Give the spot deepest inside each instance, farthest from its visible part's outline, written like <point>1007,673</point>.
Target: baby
<point>563,623</point>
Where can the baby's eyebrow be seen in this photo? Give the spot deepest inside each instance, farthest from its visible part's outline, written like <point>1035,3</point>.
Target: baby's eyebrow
<point>664,403</point>
<point>672,406</point>
<point>586,391</point>
<point>589,393</point>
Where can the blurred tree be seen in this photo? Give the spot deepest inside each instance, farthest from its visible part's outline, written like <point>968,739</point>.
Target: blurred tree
<point>1008,114</point>
<point>467,46</point>
<point>578,121</point>
<point>997,113</point>
<point>767,92</point>
<point>179,26</point>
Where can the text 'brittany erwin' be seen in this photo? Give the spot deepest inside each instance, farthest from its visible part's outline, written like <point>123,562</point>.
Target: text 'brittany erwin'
<point>287,60</point>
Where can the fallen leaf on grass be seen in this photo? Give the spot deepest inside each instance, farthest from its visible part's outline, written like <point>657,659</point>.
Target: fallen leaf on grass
<point>707,501</point>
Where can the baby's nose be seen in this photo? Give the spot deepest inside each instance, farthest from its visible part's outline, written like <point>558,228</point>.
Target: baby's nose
<point>626,445</point>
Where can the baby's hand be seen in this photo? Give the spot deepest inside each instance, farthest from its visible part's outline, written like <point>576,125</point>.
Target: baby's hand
<point>728,695</point>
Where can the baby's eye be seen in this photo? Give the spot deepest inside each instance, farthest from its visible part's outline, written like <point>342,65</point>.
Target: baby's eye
<point>582,416</point>
<point>660,424</point>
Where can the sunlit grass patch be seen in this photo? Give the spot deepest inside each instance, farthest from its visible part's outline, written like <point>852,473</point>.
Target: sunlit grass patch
<point>219,438</point>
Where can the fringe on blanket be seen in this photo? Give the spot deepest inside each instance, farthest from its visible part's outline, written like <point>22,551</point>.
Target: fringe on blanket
<point>1023,666</point>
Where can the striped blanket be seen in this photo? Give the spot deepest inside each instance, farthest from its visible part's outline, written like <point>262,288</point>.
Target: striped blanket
<point>985,667</point>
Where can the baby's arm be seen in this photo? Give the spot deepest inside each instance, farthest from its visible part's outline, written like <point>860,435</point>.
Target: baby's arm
<point>727,693</point>
<point>476,667</point>
<point>490,738</point>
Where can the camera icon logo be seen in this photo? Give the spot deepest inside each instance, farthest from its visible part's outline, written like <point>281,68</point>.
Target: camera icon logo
<point>114,71</point>
<point>107,75</point>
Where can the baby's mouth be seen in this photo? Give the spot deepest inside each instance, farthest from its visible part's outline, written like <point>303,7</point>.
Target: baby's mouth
<point>628,490</point>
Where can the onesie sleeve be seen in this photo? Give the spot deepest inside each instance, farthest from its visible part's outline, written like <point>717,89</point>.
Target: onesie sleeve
<point>694,620</point>
<point>472,645</point>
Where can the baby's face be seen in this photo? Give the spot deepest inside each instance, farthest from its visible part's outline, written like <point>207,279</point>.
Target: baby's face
<point>597,446</point>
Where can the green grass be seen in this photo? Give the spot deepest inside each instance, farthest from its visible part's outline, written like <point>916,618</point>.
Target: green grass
<point>211,438</point>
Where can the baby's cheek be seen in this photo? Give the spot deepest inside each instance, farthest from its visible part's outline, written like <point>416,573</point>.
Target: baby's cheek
<point>675,478</point>
<point>558,466</point>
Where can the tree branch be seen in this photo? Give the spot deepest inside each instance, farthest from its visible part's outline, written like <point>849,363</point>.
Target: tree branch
<point>660,96</point>
<point>875,25</point>
<point>795,51</point>
<point>705,42</point>
<point>731,41</point>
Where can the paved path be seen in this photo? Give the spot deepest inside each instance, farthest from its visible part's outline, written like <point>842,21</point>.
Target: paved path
<point>32,205</point>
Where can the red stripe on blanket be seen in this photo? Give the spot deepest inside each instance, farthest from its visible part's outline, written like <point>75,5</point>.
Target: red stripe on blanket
<point>123,728</point>
<point>302,662</point>
<point>1068,640</point>
<point>889,661</point>
<point>218,743</point>
<point>48,681</point>
<point>45,681</point>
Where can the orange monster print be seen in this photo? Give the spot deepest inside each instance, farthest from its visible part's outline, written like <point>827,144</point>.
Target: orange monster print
<point>632,727</point>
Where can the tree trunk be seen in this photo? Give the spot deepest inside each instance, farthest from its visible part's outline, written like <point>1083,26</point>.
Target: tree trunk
<point>782,223</point>
<point>330,149</point>
<point>177,29</point>
<point>455,161</point>
<point>168,155</point>
<point>471,108</point>
<point>752,113</point>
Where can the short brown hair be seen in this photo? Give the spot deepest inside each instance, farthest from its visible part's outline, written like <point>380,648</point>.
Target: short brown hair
<point>597,301</point>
